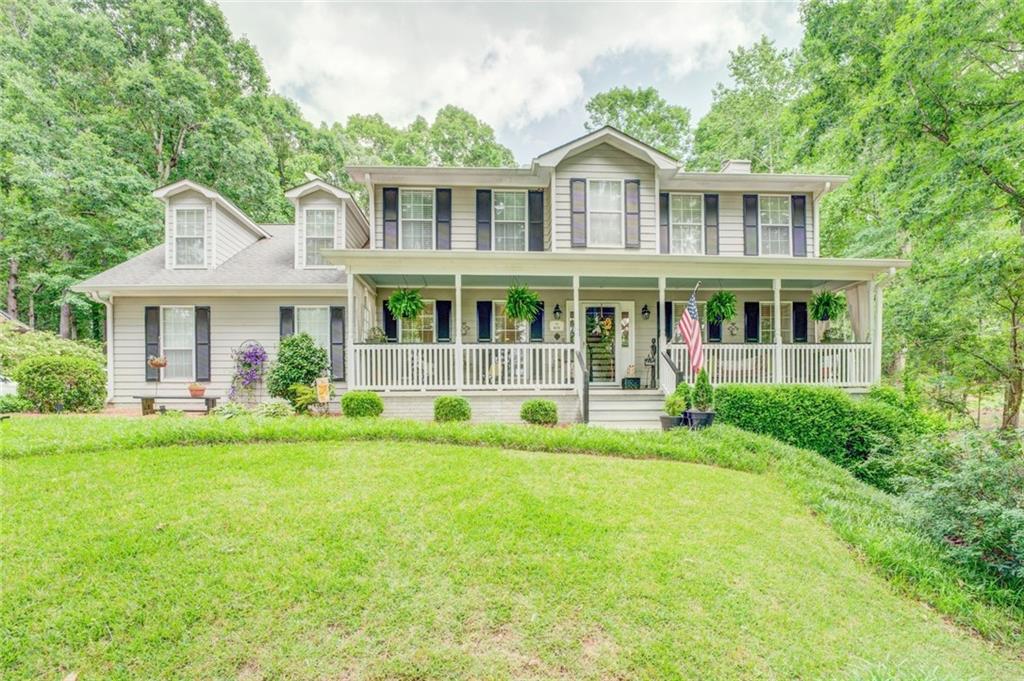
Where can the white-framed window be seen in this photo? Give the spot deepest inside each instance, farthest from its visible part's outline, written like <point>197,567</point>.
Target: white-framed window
<point>686,223</point>
<point>507,330</point>
<point>678,307</point>
<point>766,333</point>
<point>320,226</point>
<point>509,219</point>
<point>605,213</point>
<point>178,341</point>
<point>416,218</point>
<point>422,329</point>
<point>773,212</point>
<point>190,237</point>
<point>316,321</point>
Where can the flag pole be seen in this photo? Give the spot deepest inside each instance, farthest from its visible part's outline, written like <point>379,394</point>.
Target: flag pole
<point>695,288</point>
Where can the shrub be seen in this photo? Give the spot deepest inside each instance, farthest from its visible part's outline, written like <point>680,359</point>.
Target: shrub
<point>12,404</point>
<point>274,410</point>
<point>539,412</point>
<point>703,396</point>
<point>305,398</point>
<point>451,408</point>
<point>299,360</point>
<point>68,382</point>
<point>16,347</point>
<point>359,403</point>
<point>678,400</point>
<point>230,410</point>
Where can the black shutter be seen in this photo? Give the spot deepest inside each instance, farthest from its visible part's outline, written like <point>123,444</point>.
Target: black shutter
<point>799,212</point>
<point>483,320</point>
<point>663,223</point>
<point>715,331</point>
<point>390,217</point>
<point>337,343</point>
<point>535,212</point>
<point>711,226</point>
<point>443,227</point>
<point>578,212</point>
<point>632,213</point>
<point>390,324</point>
<point>287,321</point>
<point>152,324</point>
<point>799,322</point>
<point>750,224</point>
<point>667,317</point>
<point>444,320</point>
<point>752,322</point>
<point>537,326</point>
<point>483,219</point>
<point>202,321</point>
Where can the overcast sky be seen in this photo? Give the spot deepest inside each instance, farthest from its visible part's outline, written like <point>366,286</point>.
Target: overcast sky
<point>526,69</point>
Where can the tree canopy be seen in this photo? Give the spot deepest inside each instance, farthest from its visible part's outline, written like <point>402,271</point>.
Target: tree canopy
<point>644,114</point>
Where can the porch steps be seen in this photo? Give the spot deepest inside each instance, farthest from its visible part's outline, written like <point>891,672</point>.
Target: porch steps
<point>626,409</point>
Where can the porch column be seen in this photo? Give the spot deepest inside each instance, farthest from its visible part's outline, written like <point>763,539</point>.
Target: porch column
<point>876,335</point>
<point>777,330</point>
<point>350,315</point>
<point>579,328</point>
<point>663,369</point>
<point>457,332</point>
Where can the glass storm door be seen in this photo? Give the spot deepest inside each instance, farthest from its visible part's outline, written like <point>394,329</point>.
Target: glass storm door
<point>601,334</point>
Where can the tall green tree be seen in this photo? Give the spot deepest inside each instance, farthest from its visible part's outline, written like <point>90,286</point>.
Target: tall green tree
<point>644,114</point>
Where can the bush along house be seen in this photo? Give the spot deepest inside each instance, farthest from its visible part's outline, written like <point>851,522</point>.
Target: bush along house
<point>603,238</point>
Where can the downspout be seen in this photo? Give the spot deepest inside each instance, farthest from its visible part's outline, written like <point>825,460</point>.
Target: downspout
<point>108,303</point>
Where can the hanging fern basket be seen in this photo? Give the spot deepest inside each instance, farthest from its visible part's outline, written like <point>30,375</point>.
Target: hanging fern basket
<point>406,303</point>
<point>521,303</point>
<point>721,306</point>
<point>827,305</point>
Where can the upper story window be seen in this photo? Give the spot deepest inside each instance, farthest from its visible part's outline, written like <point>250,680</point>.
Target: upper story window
<point>319,234</point>
<point>420,329</point>
<point>605,213</point>
<point>686,219</point>
<point>190,237</point>
<point>508,330</point>
<point>416,218</point>
<point>774,217</point>
<point>767,330</point>
<point>316,321</point>
<point>178,340</point>
<point>509,221</point>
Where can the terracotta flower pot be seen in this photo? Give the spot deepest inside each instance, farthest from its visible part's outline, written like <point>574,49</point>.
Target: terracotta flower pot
<point>197,390</point>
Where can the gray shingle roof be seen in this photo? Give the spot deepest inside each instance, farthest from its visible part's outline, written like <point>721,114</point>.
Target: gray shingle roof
<point>268,262</point>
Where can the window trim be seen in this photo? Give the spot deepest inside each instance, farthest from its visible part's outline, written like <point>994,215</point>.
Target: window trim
<point>770,304</point>
<point>494,325</point>
<point>306,237</point>
<point>622,212</point>
<point>433,316</point>
<point>433,217</point>
<point>177,235</point>
<point>315,307</point>
<point>526,221</point>
<point>789,226</point>
<point>164,348</point>
<point>700,227</point>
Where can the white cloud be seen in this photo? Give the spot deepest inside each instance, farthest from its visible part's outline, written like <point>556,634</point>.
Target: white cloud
<point>510,64</point>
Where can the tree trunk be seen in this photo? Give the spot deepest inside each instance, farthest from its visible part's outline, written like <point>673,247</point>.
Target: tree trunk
<point>32,312</point>
<point>65,320</point>
<point>1015,385</point>
<point>12,287</point>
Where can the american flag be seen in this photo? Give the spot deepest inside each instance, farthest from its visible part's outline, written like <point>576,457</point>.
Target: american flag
<point>689,329</point>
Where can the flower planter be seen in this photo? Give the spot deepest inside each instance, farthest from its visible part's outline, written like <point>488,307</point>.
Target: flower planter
<point>670,422</point>
<point>197,391</point>
<point>699,419</point>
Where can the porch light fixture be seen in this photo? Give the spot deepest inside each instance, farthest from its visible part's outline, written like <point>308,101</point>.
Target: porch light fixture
<point>645,312</point>
<point>557,312</point>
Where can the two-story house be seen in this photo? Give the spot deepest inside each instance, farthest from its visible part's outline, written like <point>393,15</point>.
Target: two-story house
<point>605,228</point>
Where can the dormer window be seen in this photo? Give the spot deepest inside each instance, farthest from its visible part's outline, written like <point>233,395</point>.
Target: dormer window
<point>416,223</point>
<point>605,214</point>
<point>319,234</point>
<point>190,237</point>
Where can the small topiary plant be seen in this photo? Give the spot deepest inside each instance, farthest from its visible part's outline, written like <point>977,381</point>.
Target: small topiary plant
<point>361,403</point>
<point>678,400</point>
<point>451,408</point>
<point>539,412</point>
<point>703,397</point>
<point>299,360</point>
<point>66,383</point>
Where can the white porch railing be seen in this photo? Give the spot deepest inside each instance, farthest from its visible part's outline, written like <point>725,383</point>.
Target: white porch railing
<point>404,366</point>
<point>540,366</point>
<point>845,365</point>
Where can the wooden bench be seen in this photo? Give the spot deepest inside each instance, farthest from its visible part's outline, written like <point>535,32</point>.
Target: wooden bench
<point>149,401</point>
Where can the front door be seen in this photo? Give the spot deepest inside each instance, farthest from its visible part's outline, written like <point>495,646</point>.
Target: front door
<point>601,332</point>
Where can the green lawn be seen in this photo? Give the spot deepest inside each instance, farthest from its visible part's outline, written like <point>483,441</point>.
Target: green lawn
<point>409,560</point>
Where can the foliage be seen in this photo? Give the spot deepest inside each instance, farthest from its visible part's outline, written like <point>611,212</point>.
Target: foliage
<point>644,114</point>
<point>16,347</point>
<point>361,403</point>
<point>12,404</point>
<point>721,306</point>
<point>305,399</point>
<point>273,410</point>
<point>521,303</point>
<point>250,360</point>
<point>230,410</point>
<point>539,412</point>
<point>375,334</point>
<point>405,303</point>
<point>678,400</point>
<point>299,360</point>
<point>62,382</point>
<point>451,408</point>
<point>703,395</point>
<point>827,305</point>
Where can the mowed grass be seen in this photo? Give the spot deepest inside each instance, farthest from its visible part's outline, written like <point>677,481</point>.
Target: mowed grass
<point>414,560</point>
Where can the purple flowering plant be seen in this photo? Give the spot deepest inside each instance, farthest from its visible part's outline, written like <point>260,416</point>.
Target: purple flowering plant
<point>250,361</point>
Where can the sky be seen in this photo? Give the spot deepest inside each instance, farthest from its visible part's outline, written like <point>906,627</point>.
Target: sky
<point>527,69</point>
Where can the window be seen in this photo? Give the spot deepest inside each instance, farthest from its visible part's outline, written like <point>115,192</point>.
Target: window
<point>421,329</point>
<point>178,337</point>
<point>686,215</point>
<point>605,213</point>
<point>189,237</point>
<point>767,332</point>
<point>316,321</point>
<point>319,234</point>
<point>509,221</point>
<point>508,330</point>
<point>774,213</point>
<point>678,307</point>
<point>416,224</point>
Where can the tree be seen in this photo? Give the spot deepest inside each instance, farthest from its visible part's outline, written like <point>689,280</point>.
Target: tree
<point>644,114</point>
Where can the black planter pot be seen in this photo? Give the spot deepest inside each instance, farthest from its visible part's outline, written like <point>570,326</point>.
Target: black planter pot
<point>670,422</point>
<point>699,419</point>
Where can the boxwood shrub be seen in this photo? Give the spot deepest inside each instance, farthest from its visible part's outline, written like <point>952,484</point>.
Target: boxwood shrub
<point>66,382</point>
<point>360,403</point>
<point>539,412</point>
<point>451,408</point>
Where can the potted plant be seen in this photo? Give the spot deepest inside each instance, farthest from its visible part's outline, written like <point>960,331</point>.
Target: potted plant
<point>521,303</point>
<point>406,303</point>
<point>196,389</point>
<point>376,335</point>
<point>676,405</point>
<point>827,305</point>
<point>721,306</point>
<point>157,362</point>
<point>703,400</point>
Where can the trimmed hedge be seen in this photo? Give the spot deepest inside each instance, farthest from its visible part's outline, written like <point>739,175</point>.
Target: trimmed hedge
<point>64,382</point>
<point>451,408</point>
<point>539,412</point>
<point>361,403</point>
